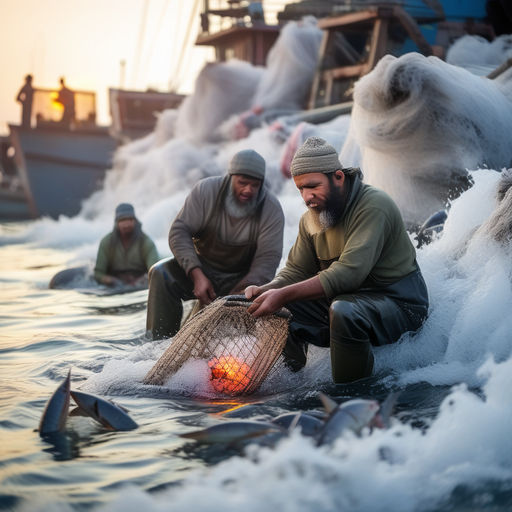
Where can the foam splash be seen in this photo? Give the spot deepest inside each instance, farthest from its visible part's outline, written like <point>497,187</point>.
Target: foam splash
<point>420,123</point>
<point>297,475</point>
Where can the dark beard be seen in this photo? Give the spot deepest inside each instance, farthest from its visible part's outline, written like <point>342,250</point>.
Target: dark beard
<point>237,209</point>
<point>333,210</point>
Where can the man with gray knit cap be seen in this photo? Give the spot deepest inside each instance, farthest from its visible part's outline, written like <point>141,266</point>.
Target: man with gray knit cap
<point>351,279</point>
<point>228,235</point>
<point>126,254</point>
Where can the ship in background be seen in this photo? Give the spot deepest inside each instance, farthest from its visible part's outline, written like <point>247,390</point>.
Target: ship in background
<point>356,34</point>
<point>50,169</point>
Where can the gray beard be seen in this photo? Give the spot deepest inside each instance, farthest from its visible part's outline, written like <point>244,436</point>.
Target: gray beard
<point>332,213</point>
<point>327,219</point>
<point>324,219</point>
<point>238,210</point>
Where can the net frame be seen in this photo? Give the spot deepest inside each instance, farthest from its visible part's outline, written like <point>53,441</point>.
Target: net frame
<point>241,350</point>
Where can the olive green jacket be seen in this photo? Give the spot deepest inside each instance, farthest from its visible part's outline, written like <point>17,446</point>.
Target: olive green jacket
<point>113,259</point>
<point>368,248</point>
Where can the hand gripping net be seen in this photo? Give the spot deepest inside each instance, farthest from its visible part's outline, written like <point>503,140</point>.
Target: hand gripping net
<point>240,349</point>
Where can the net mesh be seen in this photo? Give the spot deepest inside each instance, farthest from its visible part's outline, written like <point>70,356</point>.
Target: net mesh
<point>241,350</point>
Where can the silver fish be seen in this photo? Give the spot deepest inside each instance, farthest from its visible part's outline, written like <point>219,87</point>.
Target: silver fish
<point>232,432</point>
<point>109,414</point>
<point>309,425</point>
<point>55,412</point>
<point>352,415</point>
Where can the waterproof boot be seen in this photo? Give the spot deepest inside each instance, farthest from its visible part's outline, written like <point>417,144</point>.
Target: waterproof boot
<point>350,360</point>
<point>164,309</point>
<point>351,353</point>
<point>295,353</point>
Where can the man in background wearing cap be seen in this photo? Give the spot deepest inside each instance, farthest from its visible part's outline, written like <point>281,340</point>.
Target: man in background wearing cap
<point>228,235</point>
<point>126,254</point>
<point>351,279</point>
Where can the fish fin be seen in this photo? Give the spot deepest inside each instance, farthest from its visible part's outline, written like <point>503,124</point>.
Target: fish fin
<point>387,407</point>
<point>195,434</point>
<point>77,411</point>
<point>50,421</point>
<point>294,422</point>
<point>328,403</point>
<point>124,409</point>
<point>99,418</point>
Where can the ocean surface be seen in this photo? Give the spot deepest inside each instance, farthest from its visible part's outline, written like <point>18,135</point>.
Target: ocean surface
<point>448,448</point>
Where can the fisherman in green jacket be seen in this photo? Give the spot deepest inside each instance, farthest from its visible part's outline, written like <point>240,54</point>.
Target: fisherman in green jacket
<point>228,235</point>
<point>126,254</point>
<point>351,279</point>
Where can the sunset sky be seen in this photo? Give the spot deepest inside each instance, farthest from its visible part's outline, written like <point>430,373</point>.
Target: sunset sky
<point>85,41</point>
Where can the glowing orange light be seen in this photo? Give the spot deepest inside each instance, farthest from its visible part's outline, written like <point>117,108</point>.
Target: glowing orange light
<point>55,103</point>
<point>229,375</point>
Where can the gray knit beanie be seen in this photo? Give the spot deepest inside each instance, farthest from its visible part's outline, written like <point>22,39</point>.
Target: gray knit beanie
<point>315,155</point>
<point>248,162</point>
<point>125,211</point>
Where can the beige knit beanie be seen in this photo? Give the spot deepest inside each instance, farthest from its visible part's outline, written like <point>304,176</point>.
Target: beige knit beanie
<point>315,155</point>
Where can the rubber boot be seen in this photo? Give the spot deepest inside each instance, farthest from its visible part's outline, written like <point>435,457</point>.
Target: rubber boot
<point>351,353</point>
<point>165,309</point>
<point>350,360</point>
<point>295,354</point>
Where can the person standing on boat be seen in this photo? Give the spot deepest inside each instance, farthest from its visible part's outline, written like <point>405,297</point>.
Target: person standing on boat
<point>228,235</point>
<point>351,279</point>
<point>126,254</point>
<point>25,97</point>
<point>66,98</point>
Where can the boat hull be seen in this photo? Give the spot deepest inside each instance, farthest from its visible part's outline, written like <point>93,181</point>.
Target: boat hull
<point>58,169</point>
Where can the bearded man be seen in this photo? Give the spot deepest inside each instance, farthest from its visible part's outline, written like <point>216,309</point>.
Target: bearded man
<point>126,254</point>
<point>351,279</point>
<point>228,235</point>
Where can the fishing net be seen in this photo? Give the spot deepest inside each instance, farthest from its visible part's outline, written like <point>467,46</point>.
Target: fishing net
<point>241,350</point>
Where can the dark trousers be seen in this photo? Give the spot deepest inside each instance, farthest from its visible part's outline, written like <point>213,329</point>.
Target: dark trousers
<point>351,323</point>
<point>168,286</point>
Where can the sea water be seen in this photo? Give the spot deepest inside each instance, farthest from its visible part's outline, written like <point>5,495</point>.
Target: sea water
<point>448,448</point>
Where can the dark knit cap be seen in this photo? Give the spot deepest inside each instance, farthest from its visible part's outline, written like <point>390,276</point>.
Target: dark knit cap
<point>315,155</point>
<point>248,162</point>
<point>125,211</point>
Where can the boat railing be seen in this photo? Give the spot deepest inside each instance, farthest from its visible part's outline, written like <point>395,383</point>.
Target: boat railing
<point>224,14</point>
<point>47,111</point>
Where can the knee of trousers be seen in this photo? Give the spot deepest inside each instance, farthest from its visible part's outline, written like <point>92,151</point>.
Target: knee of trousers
<point>347,322</point>
<point>157,270</point>
<point>161,281</point>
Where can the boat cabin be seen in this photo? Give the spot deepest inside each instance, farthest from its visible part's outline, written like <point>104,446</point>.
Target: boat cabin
<point>237,30</point>
<point>134,112</point>
<point>47,111</point>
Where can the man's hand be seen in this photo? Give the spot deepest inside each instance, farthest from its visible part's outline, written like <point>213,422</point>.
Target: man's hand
<point>252,291</point>
<point>266,303</point>
<point>203,288</point>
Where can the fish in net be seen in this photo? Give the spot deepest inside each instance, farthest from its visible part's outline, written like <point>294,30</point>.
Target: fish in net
<point>241,350</point>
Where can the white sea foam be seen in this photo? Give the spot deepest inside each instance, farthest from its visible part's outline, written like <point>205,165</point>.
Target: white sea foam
<point>467,443</point>
<point>420,123</point>
<point>476,52</point>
